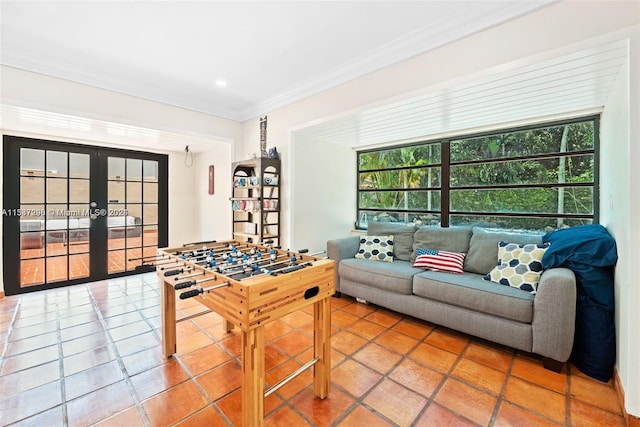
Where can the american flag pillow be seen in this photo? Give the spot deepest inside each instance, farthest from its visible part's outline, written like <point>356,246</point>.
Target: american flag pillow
<point>433,259</point>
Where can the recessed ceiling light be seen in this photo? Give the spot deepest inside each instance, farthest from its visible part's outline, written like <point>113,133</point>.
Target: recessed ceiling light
<point>221,83</point>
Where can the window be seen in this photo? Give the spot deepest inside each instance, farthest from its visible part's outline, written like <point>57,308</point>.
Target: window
<point>537,178</point>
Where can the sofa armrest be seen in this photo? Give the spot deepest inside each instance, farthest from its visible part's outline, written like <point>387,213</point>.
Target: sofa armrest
<point>554,314</point>
<point>342,248</point>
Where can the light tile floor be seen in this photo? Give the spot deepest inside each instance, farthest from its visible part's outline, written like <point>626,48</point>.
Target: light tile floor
<point>90,355</point>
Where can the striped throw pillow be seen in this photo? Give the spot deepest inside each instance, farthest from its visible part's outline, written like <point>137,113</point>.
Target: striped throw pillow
<point>433,259</point>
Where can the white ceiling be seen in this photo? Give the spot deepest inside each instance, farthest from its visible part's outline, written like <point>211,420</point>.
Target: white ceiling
<point>270,53</point>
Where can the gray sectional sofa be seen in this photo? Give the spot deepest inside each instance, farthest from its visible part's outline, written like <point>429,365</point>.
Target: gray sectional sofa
<point>542,322</point>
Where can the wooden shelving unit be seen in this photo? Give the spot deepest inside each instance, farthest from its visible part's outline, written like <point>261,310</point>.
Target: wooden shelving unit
<point>255,200</point>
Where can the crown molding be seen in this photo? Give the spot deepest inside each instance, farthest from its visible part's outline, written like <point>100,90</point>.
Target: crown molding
<point>424,40</point>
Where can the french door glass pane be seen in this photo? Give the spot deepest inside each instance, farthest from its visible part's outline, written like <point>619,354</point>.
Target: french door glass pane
<point>31,189</point>
<point>134,192</point>
<point>57,190</point>
<point>150,192</point>
<point>79,266</point>
<point>116,168</point>
<point>132,254</point>
<point>116,261</point>
<point>134,210</point>
<point>57,267</point>
<point>150,170</point>
<point>116,191</point>
<point>134,170</point>
<point>150,213</point>
<point>31,162</point>
<point>79,165</point>
<point>150,235</point>
<point>57,164</point>
<point>31,271</point>
<point>79,190</point>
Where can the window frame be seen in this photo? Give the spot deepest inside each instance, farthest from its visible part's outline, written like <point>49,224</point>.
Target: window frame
<point>446,164</point>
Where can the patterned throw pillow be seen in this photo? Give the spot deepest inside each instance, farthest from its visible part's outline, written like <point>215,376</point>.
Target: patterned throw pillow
<point>377,248</point>
<point>433,259</point>
<point>519,266</point>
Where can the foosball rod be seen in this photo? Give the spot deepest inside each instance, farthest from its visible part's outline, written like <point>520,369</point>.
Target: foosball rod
<point>214,249</point>
<point>197,258</point>
<point>250,258</point>
<point>263,270</point>
<point>199,273</point>
<point>169,261</point>
<point>249,262</point>
<point>199,243</point>
<point>204,263</point>
<point>177,271</point>
<point>173,264</point>
<point>217,255</point>
<point>190,283</point>
<point>148,256</point>
<point>282,269</point>
<point>262,267</point>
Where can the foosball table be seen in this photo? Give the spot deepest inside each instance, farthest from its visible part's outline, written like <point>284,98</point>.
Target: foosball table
<point>250,285</point>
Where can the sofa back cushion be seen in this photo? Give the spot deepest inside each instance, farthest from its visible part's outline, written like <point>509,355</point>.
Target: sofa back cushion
<point>402,237</point>
<point>453,239</point>
<point>483,247</point>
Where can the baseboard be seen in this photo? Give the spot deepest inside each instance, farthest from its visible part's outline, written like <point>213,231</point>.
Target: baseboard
<point>630,420</point>
<point>1,294</point>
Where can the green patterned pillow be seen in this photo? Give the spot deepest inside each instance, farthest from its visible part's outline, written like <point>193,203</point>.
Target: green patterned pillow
<point>519,265</point>
<point>377,248</point>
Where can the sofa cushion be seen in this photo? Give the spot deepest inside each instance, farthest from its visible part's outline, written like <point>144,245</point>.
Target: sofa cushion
<point>376,248</point>
<point>394,276</point>
<point>519,266</point>
<point>483,247</point>
<point>472,292</point>
<point>453,239</point>
<point>436,260</point>
<point>402,237</point>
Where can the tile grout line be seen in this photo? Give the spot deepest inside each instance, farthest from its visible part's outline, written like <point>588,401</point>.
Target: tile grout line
<point>500,400</point>
<point>202,391</point>
<point>567,394</point>
<point>16,309</point>
<point>123,369</point>
<point>360,401</point>
<point>63,387</point>
<point>445,378</point>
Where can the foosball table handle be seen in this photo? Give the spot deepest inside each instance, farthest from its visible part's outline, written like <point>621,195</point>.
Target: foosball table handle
<point>174,272</point>
<point>190,294</point>
<point>184,285</point>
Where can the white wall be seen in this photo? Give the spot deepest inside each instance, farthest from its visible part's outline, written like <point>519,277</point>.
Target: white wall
<point>322,193</point>
<point>213,211</point>
<point>631,366</point>
<point>183,201</point>
<point>615,213</point>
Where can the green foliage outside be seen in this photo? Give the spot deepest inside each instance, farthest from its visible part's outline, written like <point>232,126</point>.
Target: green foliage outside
<point>407,179</point>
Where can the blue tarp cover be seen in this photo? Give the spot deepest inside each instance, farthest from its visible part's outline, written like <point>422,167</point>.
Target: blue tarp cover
<point>584,250</point>
<point>590,252</point>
